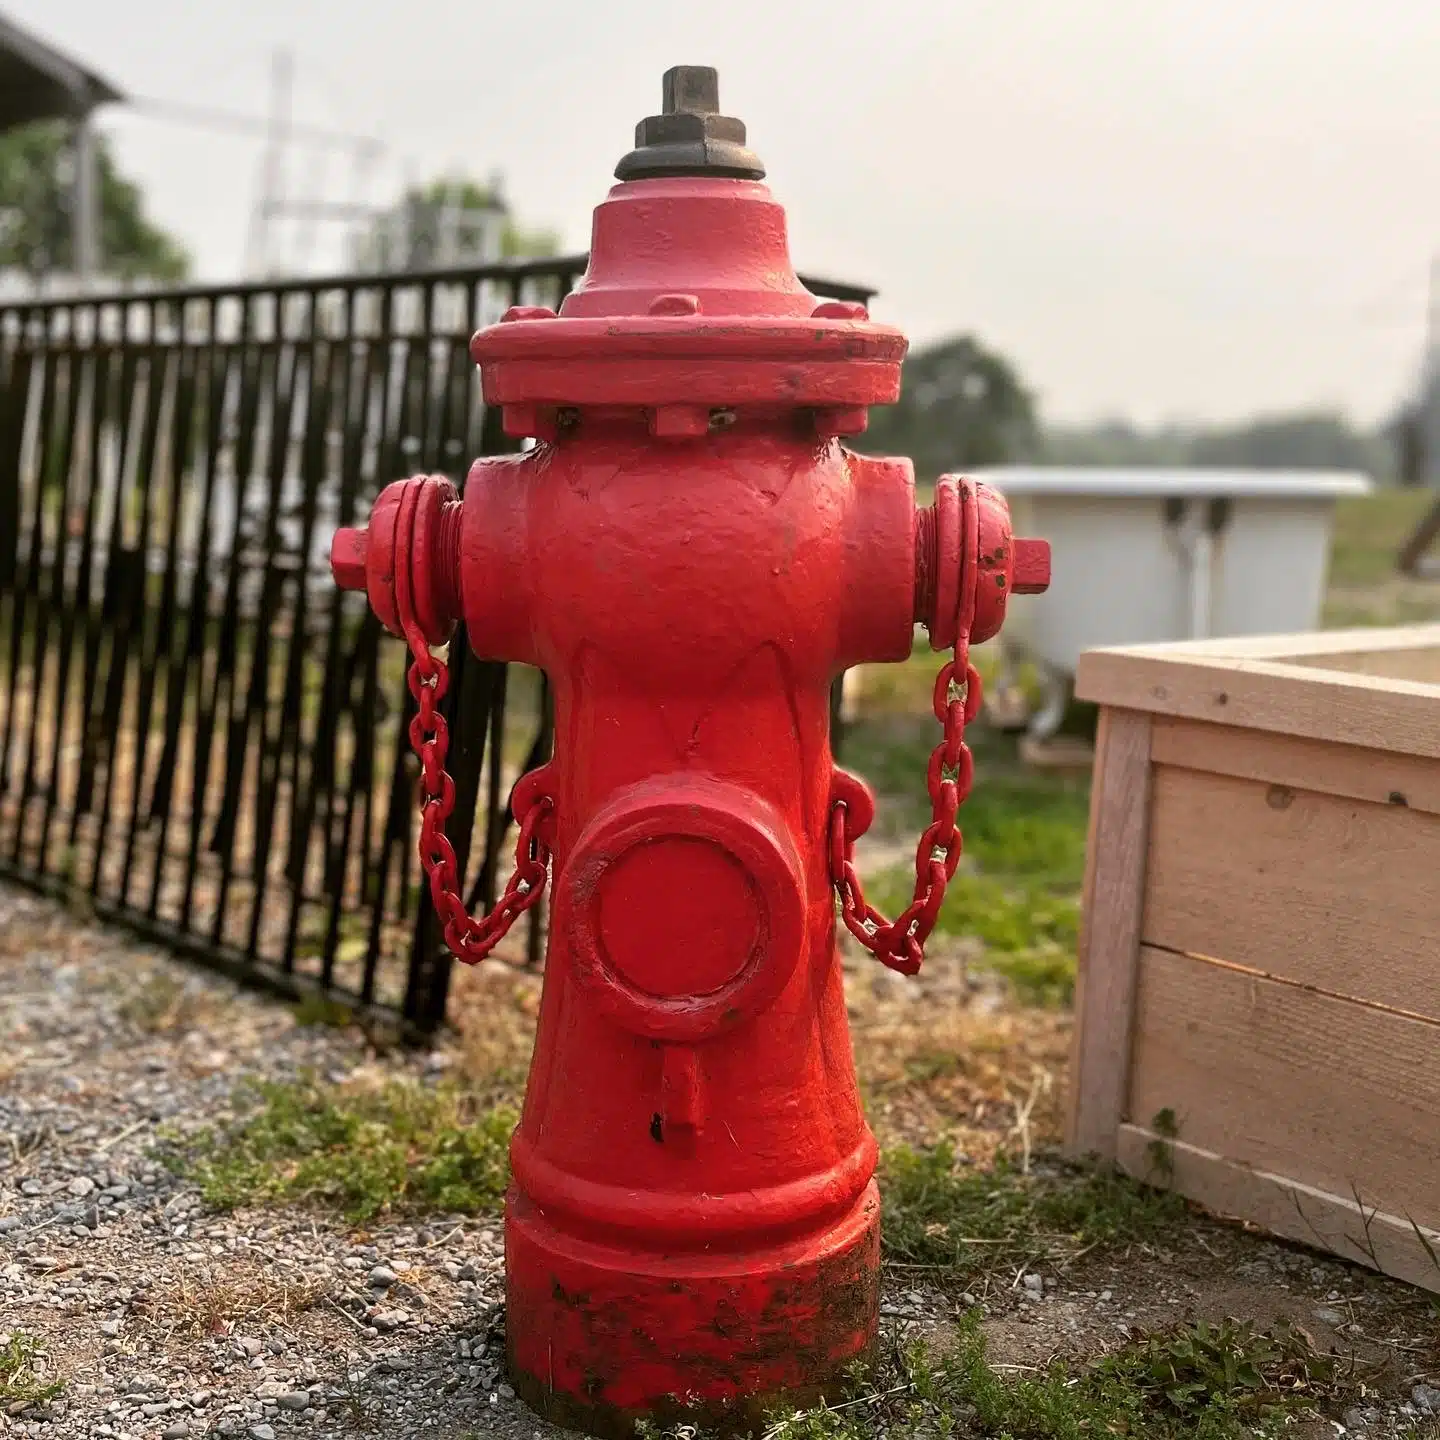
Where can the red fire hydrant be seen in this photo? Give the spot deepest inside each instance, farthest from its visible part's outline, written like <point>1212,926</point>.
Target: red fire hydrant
<point>692,556</point>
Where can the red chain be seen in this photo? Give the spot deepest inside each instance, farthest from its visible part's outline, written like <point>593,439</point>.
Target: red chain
<point>900,943</point>
<point>470,940</point>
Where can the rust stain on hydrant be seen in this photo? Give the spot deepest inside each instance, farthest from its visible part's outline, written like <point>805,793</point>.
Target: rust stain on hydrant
<point>692,555</point>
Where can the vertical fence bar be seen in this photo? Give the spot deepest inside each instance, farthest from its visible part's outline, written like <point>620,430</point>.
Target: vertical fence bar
<point>105,372</point>
<point>29,584</point>
<point>176,384</point>
<point>86,375</point>
<point>123,603</point>
<point>176,614</point>
<point>227,364</point>
<point>43,458</point>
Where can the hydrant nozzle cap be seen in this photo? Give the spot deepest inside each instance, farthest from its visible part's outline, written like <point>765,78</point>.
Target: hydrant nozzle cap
<point>690,137</point>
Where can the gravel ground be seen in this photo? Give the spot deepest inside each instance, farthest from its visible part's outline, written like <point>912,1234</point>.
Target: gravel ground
<point>165,1319</point>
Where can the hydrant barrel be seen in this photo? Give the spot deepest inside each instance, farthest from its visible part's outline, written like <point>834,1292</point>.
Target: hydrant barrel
<point>692,555</point>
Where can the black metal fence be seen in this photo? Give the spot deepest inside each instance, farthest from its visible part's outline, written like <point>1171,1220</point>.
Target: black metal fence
<point>200,736</point>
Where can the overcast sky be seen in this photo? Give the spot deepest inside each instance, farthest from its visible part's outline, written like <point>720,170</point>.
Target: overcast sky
<point>1157,208</point>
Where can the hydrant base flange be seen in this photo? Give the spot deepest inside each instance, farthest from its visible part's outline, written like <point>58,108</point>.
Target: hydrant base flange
<point>595,1342</point>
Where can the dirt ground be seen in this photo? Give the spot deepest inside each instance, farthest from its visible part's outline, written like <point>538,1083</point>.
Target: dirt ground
<point>163,1318</point>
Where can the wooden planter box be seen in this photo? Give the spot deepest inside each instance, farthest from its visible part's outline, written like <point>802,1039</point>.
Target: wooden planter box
<point>1258,1012</point>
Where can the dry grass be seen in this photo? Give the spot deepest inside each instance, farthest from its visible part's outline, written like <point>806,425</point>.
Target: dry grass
<point>251,1296</point>
<point>938,1060</point>
<point>166,1003</point>
<point>494,1006</point>
<point>937,1057</point>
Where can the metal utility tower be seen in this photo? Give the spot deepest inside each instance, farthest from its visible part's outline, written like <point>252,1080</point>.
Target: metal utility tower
<point>272,169</point>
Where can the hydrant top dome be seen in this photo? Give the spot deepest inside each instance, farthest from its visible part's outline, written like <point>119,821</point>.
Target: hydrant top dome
<point>690,136</point>
<point>690,301</point>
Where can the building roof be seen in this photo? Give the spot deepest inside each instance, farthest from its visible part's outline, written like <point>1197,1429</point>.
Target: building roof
<point>38,82</point>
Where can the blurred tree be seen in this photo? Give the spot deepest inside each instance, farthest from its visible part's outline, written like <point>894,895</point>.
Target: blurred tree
<point>36,234</point>
<point>961,406</point>
<point>450,221</point>
<point>1407,432</point>
<point>1307,441</point>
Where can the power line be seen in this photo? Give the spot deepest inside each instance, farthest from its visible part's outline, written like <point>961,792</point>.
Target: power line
<point>203,118</point>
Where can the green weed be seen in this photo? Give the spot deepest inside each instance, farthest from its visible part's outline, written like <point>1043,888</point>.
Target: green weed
<point>1192,1381</point>
<point>1018,891</point>
<point>1232,1370</point>
<point>961,1223</point>
<point>393,1148</point>
<point>317,1009</point>
<point>1029,929</point>
<point>22,1372</point>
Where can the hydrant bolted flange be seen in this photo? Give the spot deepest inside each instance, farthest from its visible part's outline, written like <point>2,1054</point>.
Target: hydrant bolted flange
<point>692,1230</point>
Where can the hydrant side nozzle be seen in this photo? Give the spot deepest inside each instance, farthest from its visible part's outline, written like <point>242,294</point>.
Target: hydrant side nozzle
<point>348,550</point>
<point>968,563</point>
<point>1032,567</point>
<point>369,558</point>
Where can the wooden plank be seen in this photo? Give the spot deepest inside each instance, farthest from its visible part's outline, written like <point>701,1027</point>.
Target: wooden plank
<point>1110,932</point>
<point>1388,1243</point>
<point>1422,664</point>
<point>1331,1094</point>
<point>1288,699</point>
<point>1316,889</point>
<point>1309,644</point>
<point>1381,777</point>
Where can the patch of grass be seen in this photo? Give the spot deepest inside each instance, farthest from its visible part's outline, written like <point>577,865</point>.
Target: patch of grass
<point>363,1149</point>
<point>1026,822</point>
<point>1009,916</point>
<point>961,1223</point>
<point>161,1004</point>
<point>251,1297</point>
<point>1029,929</point>
<point>1044,976</point>
<point>318,1009</point>
<point>1018,891</point>
<point>1369,532</point>
<point>24,1378</point>
<point>1232,1370</point>
<point>1190,1382</point>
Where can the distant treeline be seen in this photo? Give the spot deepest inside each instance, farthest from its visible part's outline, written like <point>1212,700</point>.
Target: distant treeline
<point>963,404</point>
<point>1315,441</point>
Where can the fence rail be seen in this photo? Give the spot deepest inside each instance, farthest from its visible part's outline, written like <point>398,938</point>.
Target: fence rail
<point>199,734</point>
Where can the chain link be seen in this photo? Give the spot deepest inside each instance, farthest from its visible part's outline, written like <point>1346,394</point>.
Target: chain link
<point>469,939</point>
<point>900,943</point>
